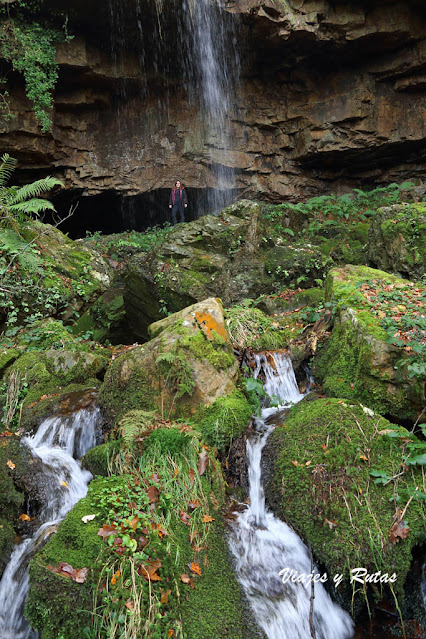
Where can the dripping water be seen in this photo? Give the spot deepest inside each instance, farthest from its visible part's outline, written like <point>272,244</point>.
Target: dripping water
<point>59,442</point>
<point>263,545</point>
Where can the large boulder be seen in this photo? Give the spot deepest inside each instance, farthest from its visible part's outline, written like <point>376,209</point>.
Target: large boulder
<point>215,256</point>
<point>397,240</point>
<point>375,351</point>
<point>323,465</point>
<point>59,277</point>
<point>189,364</point>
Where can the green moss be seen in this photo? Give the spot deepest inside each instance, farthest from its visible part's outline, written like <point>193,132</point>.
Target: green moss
<point>139,392</point>
<point>7,357</point>
<point>99,460</point>
<point>344,366</point>
<point>216,352</point>
<point>7,536</point>
<point>216,607</point>
<point>224,420</point>
<point>56,605</point>
<point>321,485</point>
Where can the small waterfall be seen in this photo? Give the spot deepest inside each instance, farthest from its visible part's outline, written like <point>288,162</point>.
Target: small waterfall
<point>59,443</point>
<point>263,545</point>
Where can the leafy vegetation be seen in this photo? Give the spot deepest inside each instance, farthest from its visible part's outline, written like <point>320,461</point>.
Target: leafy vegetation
<point>28,40</point>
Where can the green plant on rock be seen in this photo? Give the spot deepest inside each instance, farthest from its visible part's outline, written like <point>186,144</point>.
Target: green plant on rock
<point>29,41</point>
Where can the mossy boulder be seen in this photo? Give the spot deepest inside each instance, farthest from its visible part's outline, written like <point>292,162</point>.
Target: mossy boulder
<point>188,363</point>
<point>67,276</point>
<point>297,264</point>
<point>358,361</point>
<point>215,256</point>
<point>45,376</point>
<point>397,240</point>
<point>106,319</point>
<point>322,458</point>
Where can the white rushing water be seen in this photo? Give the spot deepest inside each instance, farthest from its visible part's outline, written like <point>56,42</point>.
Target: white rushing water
<point>263,545</point>
<point>59,443</point>
<point>214,58</point>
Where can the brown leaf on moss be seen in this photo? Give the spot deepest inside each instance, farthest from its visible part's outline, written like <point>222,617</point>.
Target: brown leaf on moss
<point>398,531</point>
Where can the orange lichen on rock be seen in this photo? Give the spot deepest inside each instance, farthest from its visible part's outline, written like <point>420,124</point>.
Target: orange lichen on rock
<point>208,324</point>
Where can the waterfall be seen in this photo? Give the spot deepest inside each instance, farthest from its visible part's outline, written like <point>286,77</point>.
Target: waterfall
<point>59,442</point>
<point>263,545</point>
<point>213,54</point>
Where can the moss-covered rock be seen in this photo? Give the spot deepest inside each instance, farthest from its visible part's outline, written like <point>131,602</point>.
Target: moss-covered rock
<point>45,376</point>
<point>57,605</point>
<point>397,240</point>
<point>100,459</point>
<point>322,457</point>
<point>189,363</point>
<point>66,276</point>
<point>215,256</point>
<point>358,361</point>
<point>106,318</point>
<point>297,264</point>
<point>224,420</point>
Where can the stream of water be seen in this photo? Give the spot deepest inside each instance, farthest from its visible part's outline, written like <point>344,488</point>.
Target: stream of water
<point>59,442</point>
<point>263,545</point>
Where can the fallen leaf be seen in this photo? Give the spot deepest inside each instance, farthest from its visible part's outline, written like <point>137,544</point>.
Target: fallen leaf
<point>10,464</point>
<point>203,461</point>
<point>308,463</point>
<point>129,604</point>
<point>295,463</point>
<point>185,517</point>
<point>330,524</point>
<point>165,596</point>
<point>192,505</point>
<point>398,531</point>
<point>24,517</point>
<point>170,633</point>
<point>207,519</point>
<point>134,523</point>
<point>66,570</point>
<point>87,518</point>
<point>191,474</point>
<point>363,457</point>
<point>106,531</point>
<point>149,571</point>
<point>186,579</point>
<point>64,483</point>
<point>153,494</point>
<point>194,568</point>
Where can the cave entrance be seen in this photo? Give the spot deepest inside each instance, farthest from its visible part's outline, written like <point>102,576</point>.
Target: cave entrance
<point>111,212</point>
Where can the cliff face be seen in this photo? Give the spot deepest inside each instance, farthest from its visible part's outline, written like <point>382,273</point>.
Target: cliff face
<point>327,96</point>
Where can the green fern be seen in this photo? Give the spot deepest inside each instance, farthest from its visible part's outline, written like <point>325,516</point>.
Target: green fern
<point>12,244</point>
<point>133,424</point>
<point>7,167</point>
<point>24,193</point>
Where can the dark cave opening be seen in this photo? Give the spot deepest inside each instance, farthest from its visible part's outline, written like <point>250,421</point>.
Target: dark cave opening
<point>112,212</point>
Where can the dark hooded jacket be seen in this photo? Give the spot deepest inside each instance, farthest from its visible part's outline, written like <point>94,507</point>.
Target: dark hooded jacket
<point>178,197</point>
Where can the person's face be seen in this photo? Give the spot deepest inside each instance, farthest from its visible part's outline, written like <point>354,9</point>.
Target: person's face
<point>177,185</point>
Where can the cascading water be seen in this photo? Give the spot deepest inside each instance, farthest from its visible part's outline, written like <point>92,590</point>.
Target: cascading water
<point>215,64</point>
<point>263,545</point>
<point>59,442</point>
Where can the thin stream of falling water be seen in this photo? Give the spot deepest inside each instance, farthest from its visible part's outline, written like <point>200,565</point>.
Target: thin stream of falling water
<point>214,58</point>
<point>263,545</point>
<point>59,442</point>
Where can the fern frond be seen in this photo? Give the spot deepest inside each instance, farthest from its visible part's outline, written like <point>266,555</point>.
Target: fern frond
<point>169,357</point>
<point>11,242</point>
<point>34,190</point>
<point>30,261</point>
<point>31,206</point>
<point>7,167</point>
